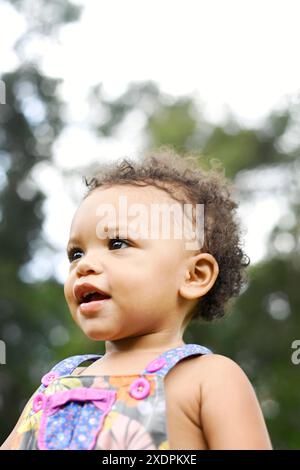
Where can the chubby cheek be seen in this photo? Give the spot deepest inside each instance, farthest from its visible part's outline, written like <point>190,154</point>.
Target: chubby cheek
<point>146,288</point>
<point>164,281</point>
<point>68,292</point>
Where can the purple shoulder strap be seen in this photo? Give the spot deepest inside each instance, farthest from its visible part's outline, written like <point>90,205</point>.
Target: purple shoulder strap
<point>68,365</point>
<point>167,360</point>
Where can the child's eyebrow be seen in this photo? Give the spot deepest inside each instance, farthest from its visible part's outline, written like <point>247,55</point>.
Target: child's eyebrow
<point>72,241</point>
<point>107,228</point>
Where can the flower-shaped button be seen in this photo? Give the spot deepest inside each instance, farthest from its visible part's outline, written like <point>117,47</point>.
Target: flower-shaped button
<point>38,402</point>
<point>49,377</point>
<point>156,364</point>
<point>140,388</point>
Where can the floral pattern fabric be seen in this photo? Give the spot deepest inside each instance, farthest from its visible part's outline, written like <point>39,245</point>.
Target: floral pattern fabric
<point>100,412</point>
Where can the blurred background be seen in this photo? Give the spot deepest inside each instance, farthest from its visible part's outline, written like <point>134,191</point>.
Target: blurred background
<point>83,82</point>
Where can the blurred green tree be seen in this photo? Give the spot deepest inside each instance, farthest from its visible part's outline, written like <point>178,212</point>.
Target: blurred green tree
<point>34,324</point>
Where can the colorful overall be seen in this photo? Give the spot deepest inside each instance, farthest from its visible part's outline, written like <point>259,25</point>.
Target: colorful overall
<point>100,412</point>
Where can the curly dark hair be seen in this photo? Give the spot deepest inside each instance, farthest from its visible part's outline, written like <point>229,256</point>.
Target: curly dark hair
<point>184,179</point>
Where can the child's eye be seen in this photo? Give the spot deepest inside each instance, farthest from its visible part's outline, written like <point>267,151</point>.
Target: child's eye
<point>116,242</point>
<point>73,252</point>
<point>113,244</point>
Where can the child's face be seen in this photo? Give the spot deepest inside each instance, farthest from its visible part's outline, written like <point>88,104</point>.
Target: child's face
<point>142,278</point>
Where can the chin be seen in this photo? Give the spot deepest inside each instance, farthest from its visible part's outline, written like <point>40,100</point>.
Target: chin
<point>94,335</point>
<point>97,335</point>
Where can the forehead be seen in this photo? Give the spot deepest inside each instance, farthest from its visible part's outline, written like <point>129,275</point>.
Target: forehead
<point>118,195</point>
<point>147,211</point>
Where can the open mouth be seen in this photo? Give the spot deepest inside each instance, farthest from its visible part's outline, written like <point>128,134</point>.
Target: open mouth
<point>90,299</point>
<point>92,302</point>
<point>93,296</point>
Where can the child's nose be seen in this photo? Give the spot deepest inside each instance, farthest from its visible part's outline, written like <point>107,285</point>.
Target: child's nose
<point>88,265</point>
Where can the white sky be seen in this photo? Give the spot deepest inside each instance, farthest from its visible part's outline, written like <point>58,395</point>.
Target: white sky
<point>232,55</point>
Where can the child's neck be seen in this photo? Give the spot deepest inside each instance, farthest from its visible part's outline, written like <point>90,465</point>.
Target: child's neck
<point>143,345</point>
<point>130,357</point>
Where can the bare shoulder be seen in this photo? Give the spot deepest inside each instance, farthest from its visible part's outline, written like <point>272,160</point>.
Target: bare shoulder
<point>209,368</point>
<point>216,367</point>
<point>231,416</point>
<point>221,379</point>
<point>216,361</point>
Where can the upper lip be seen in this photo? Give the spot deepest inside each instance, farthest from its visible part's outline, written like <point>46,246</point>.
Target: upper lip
<point>85,288</point>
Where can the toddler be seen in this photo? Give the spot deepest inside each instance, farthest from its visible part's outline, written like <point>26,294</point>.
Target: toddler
<point>153,246</point>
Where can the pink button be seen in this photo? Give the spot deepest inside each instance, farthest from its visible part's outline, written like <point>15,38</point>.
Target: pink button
<point>156,364</point>
<point>38,402</point>
<point>140,388</point>
<point>48,378</point>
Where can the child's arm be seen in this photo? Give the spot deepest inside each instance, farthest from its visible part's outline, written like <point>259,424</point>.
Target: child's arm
<point>231,417</point>
<point>8,443</point>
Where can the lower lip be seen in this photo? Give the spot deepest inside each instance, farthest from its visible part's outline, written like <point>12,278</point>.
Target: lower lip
<point>93,306</point>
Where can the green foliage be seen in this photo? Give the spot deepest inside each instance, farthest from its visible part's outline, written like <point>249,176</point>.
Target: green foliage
<point>172,124</point>
<point>45,17</point>
<point>34,320</point>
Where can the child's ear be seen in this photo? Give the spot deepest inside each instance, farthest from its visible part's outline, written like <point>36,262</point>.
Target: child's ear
<point>201,273</point>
